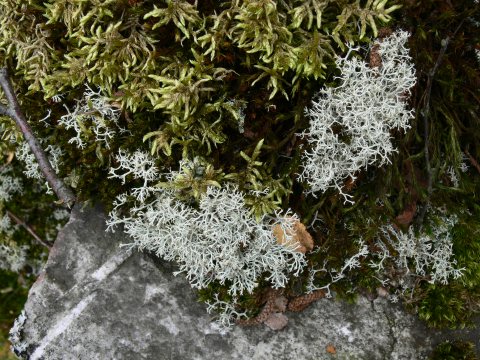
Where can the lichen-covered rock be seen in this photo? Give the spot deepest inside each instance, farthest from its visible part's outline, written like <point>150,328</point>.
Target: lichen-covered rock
<point>94,300</point>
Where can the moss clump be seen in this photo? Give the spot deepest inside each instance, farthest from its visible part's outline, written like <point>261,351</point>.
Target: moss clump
<point>457,350</point>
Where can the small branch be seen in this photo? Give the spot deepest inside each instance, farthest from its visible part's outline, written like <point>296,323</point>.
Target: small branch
<point>426,126</point>
<point>474,162</point>
<point>28,228</point>
<point>63,192</point>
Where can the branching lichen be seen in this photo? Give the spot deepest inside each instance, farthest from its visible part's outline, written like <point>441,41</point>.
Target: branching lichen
<point>350,125</point>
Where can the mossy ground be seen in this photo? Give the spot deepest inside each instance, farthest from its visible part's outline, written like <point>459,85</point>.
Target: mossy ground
<point>457,350</point>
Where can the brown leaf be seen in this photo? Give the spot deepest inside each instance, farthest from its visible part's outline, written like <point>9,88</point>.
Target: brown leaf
<point>10,156</point>
<point>406,217</point>
<point>300,235</point>
<point>331,349</point>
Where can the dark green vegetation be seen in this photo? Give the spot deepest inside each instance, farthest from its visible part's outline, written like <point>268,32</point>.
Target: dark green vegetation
<point>12,298</point>
<point>36,210</point>
<point>227,84</point>
<point>445,36</point>
<point>457,350</point>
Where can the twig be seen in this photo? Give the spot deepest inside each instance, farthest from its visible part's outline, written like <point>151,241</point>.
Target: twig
<point>474,162</point>
<point>426,126</point>
<point>28,228</point>
<point>64,193</point>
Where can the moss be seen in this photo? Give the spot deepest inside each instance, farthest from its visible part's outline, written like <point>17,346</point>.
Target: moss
<point>5,352</point>
<point>455,304</point>
<point>13,294</point>
<point>457,350</point>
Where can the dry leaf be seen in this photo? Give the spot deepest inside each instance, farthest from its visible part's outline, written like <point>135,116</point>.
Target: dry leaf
<point>406,217</point>
<point>331,349</point>
<point>300,235</point>
<point>10,156</point>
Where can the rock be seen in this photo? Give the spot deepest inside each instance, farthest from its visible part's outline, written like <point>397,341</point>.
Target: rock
<point>95,300</point>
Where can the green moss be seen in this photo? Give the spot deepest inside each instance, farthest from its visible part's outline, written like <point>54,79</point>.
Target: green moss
<point>13,294</point>
<point>457,350</point>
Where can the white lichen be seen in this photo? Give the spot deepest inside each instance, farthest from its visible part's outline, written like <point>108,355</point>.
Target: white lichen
<point>93,116</point>
<point>6,227</point>
<point>428,255</point>
<point>13,257</point>
<point>237,109</point>
<point>351,263</point>
<point>227,312</point>
<point>9,185</point>
<point>214,239</point>
<point>219,241</point>
<point>138,165</point>
<point>60,214</point>
<point>25,155</point>
<point>350,125</point>
<point>15,334</point>
<point>32,169</point>
<point>452,174</point>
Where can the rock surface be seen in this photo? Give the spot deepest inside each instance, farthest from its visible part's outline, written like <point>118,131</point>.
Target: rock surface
<point>95,300</point>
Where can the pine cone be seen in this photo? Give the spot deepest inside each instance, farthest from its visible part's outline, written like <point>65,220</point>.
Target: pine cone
<point>300,303</point>
<point>269,308</point>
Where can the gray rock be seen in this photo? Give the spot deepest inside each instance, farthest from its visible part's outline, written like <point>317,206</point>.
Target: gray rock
<point>95,300</point>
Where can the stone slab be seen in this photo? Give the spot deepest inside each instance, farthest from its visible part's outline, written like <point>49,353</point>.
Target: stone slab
<point>95,300</point>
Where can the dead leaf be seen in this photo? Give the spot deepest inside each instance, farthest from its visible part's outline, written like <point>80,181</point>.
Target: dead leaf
<point>300,235</point>
<point>406,217</point>
<point>331,349</point>
<point>10,156</point>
